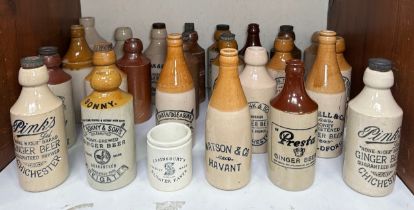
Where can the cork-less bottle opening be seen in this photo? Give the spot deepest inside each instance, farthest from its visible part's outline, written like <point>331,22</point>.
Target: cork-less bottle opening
<point>284,44</point>
<point>255,56</point>
<point>295,66</point>
<point>327,37</point>
<point>169,135</point>
<point>340,44</point>
<point>228,52</point>
<point>174,39</point>
<point>77,31</point>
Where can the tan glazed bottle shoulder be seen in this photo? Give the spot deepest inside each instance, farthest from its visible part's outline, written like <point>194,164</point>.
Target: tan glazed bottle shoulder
<point>284,47</point>
<point>325,76</point>
<point>79,55</point>
<point>228,94</point>
<point>175,76</point>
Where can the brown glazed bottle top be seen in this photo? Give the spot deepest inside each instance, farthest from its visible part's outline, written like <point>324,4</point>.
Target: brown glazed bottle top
<point>78,55</point>
<point>175,76</point>
<point>52,60</point>
<point>133,54</point>
<point>293,97</point>
<point>325,76</point>
<point>133,45</point>
<point>340,49</point>
<point>228,95</point>
<point>283,53</point>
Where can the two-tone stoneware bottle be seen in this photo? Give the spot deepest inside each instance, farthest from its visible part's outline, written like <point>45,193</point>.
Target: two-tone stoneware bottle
<point>287,31</point>
<point>138,70</point>
<point>325,86</point>
<point>228,147</point>
<point>196,50</point>
<point>253,38</point>
<point>258,88</point>
<point>213,52</point>
<point>193,64</point>
<point>108,131</point>
<point>77,62</point>
<point>121,34</point>
<point>91,34</point>
<point>309,54</point>
<point>227,40</point>
<point>38,127</point>
<point>175,94</point>
<point>344,66</point>
<point>104,59</point>
<point>156,52</point>
<point>373,129</point>
<point>60,83</point>
<point>292,133</point>
<point>277,64</point>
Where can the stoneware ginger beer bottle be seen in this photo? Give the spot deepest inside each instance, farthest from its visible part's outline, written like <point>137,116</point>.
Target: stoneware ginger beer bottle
<point>138,70</point>
<point>60,83</point>
<point>104,59</point>
<point>258,88</point>
<point>325,86</point>
<point>156,52</point>
<point>309,54</point>
<point>287,31</point>
<point>373,133</point>
<point>38,127</point>
<point>193,65</point>
<point>108,131</point>
<point>175,95</point>
<point>228,133</point>
<point>292,134</point>
<point>253,38</point>
<point>344,66</point>
<point>213,52</point>
<point>227,40</point>
<point>121,34</point>
<point>277,64</point>
<point>91,34</point>
<point>196,50</point>
<point>78,64</point>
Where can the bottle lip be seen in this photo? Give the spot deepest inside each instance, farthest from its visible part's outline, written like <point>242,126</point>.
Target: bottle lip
<point>189,27</point>
<point>253,28</point>
<point>87,21</point>
<point>31,62</point>
<point>228,52</point>
<point>48,50</point>
<point>102,47</point>
<point>227,36</point>
<point>222,27</point>
<point>286,28</point>
<point>158,25</point>
<point>169,135</point>
<point>295,66</point>
<point>380,64</point>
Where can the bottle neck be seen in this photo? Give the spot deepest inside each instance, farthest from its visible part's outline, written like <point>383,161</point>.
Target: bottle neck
<point>253,40</point>
<point>132,55</point>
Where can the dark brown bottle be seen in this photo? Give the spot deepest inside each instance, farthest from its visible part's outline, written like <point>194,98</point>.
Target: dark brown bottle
<point>253,38</point>
<point>197,51</point>
<point>138,70</point>
<point>288,139</point>
<point>287,31</point>
<point>193,65</point>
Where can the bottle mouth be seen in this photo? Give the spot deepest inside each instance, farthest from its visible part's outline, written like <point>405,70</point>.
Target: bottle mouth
<point>158,25</point>
<point>48,50</point>
<point>228,52</point>
<point>327,37</point>
<point>327,33</point>
<point>174,39</point>
<point>31,62</point>
<point>379,64</point>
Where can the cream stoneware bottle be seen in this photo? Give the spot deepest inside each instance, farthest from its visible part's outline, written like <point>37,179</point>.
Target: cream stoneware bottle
<point>277,64</point>
<point>60,83</point>
<point>292,133</point>
<point>77,62</point>
<point>175,95</point>
<point>156,52</point>
<point>121,34</point>
<point>373,129</point>
<point>108,131</point>
<point>228,137</point>
<point>258,88</point>
<point>91,34</point>
<point>38,127</point>
<point>104,58</point>
<point>325,86</point>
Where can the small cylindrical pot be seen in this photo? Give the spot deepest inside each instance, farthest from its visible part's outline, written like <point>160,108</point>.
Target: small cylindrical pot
<point>169,163</point>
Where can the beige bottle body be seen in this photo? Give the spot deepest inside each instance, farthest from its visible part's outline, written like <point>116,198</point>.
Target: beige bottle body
<point>228,148</point>
<point>78,88</point>
<point>64,92</point>
<point>292,149</point>
<point>279,76</point>
<point>109,144</point>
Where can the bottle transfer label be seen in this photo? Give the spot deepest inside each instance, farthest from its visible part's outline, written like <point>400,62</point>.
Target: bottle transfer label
<point>40,148</point>
<point>371,153</point>
<point>346,76</point>
<point>331,117</point>
<point>279,77</point>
